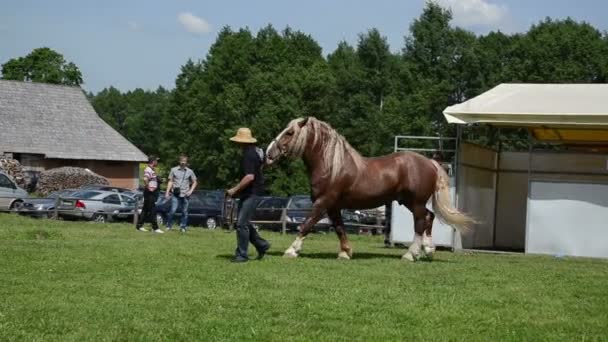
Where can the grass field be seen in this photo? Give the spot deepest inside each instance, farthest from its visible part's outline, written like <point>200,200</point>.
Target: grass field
<point>71,281</point>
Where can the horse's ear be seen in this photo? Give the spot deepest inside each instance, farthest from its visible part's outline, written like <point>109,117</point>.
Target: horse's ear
<point>303,122</point>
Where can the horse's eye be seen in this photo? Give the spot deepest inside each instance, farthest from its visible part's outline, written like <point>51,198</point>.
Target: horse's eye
<point>290,133</point>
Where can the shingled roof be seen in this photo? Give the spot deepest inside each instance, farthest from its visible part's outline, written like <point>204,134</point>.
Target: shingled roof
<point>58,122</point>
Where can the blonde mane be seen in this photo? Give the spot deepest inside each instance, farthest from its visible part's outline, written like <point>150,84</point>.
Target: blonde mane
<point>335,147</point>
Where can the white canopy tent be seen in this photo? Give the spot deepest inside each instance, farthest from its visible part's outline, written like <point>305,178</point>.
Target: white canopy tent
<point>541,203</point>
<point>575,105</point>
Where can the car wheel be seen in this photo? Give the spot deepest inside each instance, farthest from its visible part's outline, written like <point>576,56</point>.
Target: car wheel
<point>50,214</point>
<point>15,206</point>
<point>211,223</point>
<point>99,218</point>
<point>160,220</point>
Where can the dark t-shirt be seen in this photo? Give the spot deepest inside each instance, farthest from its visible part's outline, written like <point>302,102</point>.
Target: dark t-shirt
<point>253,159</point>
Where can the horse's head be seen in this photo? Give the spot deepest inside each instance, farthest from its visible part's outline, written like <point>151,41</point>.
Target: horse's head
<point>289,143</point>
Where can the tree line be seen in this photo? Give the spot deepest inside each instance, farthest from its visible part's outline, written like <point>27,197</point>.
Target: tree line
<point>368,93</point>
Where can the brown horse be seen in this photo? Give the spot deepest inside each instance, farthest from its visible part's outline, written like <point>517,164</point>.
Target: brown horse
<point>341,178</point>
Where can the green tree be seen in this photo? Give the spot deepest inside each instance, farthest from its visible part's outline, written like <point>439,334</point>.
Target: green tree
<point>42,65</point>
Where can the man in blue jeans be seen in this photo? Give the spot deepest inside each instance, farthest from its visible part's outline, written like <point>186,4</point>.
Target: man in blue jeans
<point>248,190</point>
<point>182,182</point>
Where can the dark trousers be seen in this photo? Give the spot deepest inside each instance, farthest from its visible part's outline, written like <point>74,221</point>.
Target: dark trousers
<point>148,213</point>
<point>245,232</point>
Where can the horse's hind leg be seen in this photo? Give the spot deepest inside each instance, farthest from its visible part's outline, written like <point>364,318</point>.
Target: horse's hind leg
<point>419,212</point>
<point>427,240</point>
<point>346,252</point>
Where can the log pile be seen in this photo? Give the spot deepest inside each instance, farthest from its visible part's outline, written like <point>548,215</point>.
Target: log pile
<point>13,168</point>
<point>67,178</point>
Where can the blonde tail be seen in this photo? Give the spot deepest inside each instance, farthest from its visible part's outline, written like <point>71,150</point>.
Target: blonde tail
<point>442,204</point>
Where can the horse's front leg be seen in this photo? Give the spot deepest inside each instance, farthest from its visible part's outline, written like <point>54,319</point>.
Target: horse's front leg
<point>346,252</point>
<point>296,246</point>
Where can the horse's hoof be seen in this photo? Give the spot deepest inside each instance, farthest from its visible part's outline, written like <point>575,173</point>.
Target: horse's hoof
<point>344,256</point>
<point>429,251</point>
<point>408,256</point>
<point>290,254</point>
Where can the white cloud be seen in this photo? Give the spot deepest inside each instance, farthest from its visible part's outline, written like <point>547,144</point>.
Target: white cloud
<point>193,24</point>
<point>469,13</point>
<point>134,26</point>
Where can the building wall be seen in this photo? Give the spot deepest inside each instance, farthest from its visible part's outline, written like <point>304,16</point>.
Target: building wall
<point>476,192</point>
<point>513,186</point>
<point>118,173</point>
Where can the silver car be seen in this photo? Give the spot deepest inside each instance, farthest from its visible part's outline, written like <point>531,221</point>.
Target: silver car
<point>44,207</point>
<point>97,205</point>
<point>11,195</point>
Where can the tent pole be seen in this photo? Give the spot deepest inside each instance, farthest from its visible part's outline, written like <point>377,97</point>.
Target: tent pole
<point>497,170</point>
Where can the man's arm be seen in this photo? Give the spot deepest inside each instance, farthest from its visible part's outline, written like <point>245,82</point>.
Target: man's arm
<point>194,184</point>
<point>246,180</point>
<point>169,184</point>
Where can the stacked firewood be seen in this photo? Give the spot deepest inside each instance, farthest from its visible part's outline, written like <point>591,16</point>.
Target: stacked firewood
<point>67,178</point>
<point>13,168</point>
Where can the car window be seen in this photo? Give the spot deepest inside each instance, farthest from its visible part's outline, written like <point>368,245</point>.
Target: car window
<point>5,182</point>
<point>85,194</point>
<point>300,203</point>
<point>129,200</point>
<point>266,203</point>
<point>112,199</point>
<point>282,203</point>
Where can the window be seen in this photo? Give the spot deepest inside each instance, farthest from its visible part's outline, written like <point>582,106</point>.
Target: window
<point>85,194</point>
<point>5,182</point>
<point>300,203</point>
<point>112,199</point>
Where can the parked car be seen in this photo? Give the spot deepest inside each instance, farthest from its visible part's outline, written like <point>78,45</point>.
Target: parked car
<point>105,188</point>
<point>204,209</point>
<point>43,207</point>
<point>11,195</point>
<point>97,205</point>
<point>297,209</point>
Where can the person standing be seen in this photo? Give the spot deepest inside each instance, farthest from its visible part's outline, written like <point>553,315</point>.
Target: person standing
<point>182,182</point>
<point>248,191</point>
<point>151,189</point>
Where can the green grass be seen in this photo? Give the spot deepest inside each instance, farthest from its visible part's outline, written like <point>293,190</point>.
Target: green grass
<point>74,281</point>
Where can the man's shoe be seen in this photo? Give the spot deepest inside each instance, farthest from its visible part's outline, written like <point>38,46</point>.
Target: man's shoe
<point>158,231</point>
<point>183,230</point>
<point>262,252</point>
<point>142,229</point>
<point>239,259</point>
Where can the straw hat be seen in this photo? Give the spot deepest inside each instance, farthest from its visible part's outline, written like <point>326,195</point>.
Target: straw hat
<point>243,135</point>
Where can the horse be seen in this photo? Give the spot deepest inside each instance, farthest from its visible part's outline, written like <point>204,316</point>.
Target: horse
<point>341,178</point>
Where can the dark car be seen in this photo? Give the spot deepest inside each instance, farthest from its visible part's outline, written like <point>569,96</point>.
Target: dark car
<point>204,209</point>
<point>269,213</point>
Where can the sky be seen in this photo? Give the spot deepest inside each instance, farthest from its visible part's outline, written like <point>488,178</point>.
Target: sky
<point>132,44</point>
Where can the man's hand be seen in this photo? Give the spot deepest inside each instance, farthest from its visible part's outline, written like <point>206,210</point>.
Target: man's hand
<point>231,192</point>
<point>167,195</point>
<point>188,193</point>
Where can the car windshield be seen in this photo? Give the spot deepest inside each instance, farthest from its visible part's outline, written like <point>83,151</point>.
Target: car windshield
<point>300,203</point>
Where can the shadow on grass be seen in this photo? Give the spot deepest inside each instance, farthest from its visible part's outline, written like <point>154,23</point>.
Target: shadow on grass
<point>334,256</point>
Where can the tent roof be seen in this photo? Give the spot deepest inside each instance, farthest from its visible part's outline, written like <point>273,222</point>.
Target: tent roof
<point>560,112</point>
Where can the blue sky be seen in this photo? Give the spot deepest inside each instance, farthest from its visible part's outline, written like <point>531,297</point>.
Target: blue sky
<point>137,43</point>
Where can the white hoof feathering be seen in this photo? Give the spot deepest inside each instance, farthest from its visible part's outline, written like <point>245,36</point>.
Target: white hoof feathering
<point>290,253</point>
<point>429,251</point>
<point>408,256</point>
<point>343,255</point>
